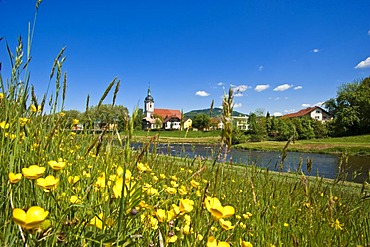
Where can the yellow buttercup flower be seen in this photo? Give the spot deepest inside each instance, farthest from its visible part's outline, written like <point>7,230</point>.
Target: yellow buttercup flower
<point>73,179</point>
<point>48,183</point>
<point>75,200</point>
<point>33,172</point>
<point>186,205</point>
<point>194,183</point>
<point>218,211</point>
<point>212,242</point>
<point>182,190</point>
<point>171,190</point>
<point>143,167</point>
<point>245,243</point>
<point>31,219</point>
<point>57,165</point>
<point>4,125</point>
<point>23,121</point>
<point>76,121</point>
<point>14,178</point>
<point>1,96</point>
<point>161,215</point>
<point>225,224</point>
<point>98,221</point>
<point>34,109</point>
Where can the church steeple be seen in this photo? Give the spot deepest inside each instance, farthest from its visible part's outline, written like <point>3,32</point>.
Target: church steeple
<point>149,104</point>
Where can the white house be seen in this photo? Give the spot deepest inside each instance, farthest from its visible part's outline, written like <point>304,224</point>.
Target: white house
<point>315,112</point>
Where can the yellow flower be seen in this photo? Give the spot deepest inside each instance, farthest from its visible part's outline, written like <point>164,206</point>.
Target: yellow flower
<point>1,96</point>
<point>62,114</point>
<point>34,109</point>
<point>187,230</point>
<point>57,165</point>
<point>98,221</point>
<point>211,242</point>
<point>337,225</point>
<point>182,190</point>
<point>199,237</point>
<point>245,243</point>
<point>225,224</point>
<point>247,215</point>
<point>143,167</point>
<point>4,125</point>
<point>14,178</point>
<point>76,121</point>
<point>48,183</point>
<point>174,184</point>
<point>194,183</point>
<point>161,215</point>
<point>73,179</point>
<point>162,176</point>
<point>33,171</point>
<point>23,121</point>
<point>152,192</point>
<point>215,207</point>
<point>172,239</point>
<point>186,205</point>
<point>286,224</point>
<point>31,219</point>
<point>75,200</point>
<point>100,182</point>
<point>171,190</point>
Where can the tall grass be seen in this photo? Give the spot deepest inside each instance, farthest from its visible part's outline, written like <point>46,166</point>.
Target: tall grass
<point>106,195</point>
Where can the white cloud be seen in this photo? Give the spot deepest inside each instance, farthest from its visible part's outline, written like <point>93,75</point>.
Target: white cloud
<point>260,88</point>
<point>238,94</point>
<point>315,50</point>
<point>202,93</point>
<point>220,84</point>
<point>306,105</point>
<point>368,32</point>
<point>240,88</point>
<point>277,98</point>
<point>363,64</point>
<point>237,105</point>
<point>297,87</point>
<point>260,68</point>
<point>277,114</point>
<point>283,87</point>
<point>289,111</point>
<point>320,103</point>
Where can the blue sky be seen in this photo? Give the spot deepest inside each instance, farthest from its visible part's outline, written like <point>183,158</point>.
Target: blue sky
<point>279,56</point>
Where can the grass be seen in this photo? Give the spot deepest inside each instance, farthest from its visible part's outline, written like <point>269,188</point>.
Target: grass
<point>208,137</point>
<point>85,191</point>
<point>354,145</point>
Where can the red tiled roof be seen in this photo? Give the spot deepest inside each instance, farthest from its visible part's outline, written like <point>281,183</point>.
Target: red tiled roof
<point>164,113</point>
<point>302,112</point>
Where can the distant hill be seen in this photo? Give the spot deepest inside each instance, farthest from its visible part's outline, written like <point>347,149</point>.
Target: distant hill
<point>215,113</point>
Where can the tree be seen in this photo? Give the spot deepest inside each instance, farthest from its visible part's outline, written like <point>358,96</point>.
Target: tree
<point>350,109</point>
<point>201,121</point>
<point>107,114</point>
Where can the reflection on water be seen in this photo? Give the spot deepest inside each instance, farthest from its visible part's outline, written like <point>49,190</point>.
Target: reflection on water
<point>323,165</point>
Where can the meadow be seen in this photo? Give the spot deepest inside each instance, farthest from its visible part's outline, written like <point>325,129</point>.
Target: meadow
<point>60,188</point>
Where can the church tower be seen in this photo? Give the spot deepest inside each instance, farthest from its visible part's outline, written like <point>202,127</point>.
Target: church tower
<point>149,105</point>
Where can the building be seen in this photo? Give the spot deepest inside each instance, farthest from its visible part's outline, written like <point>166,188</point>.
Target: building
<point>315,112</point>
<point>159,118</point>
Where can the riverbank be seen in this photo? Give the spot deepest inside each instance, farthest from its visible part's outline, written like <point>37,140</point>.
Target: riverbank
<point>353,145</point>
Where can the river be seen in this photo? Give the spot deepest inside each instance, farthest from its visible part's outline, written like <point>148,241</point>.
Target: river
<point>323,165</point>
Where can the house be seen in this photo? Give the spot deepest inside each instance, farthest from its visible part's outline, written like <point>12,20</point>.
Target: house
<point>188,123</point>
<point>159,118</point>
<point>240,122</point>
<point>315,112</point>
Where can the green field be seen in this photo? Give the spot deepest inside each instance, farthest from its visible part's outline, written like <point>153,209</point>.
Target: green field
<point>354,145</point>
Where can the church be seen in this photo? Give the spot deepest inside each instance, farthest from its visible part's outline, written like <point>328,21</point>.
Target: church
<point>156,118</point>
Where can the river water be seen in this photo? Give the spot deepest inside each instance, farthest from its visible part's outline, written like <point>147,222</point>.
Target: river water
<point>323,165</point>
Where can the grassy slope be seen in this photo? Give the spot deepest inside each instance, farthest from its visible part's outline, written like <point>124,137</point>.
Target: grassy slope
<point>359,145</point>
